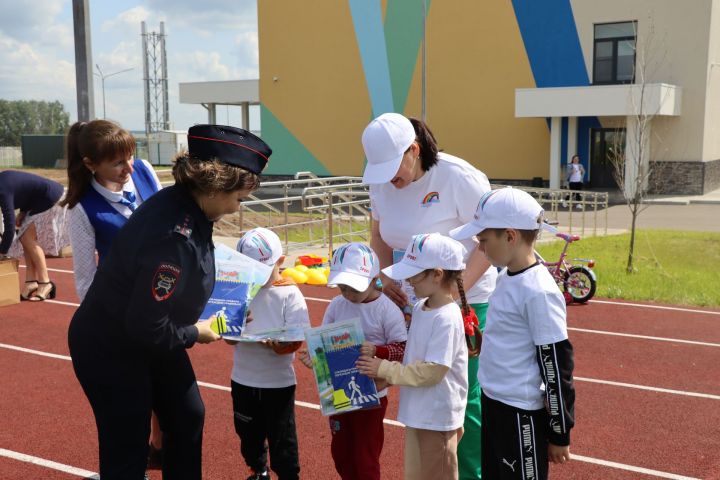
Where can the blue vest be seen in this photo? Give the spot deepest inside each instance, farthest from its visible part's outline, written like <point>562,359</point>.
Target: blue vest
<point>105,220</point>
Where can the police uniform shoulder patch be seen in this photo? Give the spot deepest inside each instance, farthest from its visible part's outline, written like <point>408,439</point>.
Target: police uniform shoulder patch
<point>164,281</point>
<point>184,226</point>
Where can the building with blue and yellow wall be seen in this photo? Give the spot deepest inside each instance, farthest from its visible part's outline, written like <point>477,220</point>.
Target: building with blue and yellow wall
<point>514,87</point>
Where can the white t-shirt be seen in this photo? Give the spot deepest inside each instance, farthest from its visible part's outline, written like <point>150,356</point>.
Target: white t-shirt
<point>436,336</point>
<point>445,197</point>
<point>257,365</point>
<point>382,321</point>
<point>82,233</point>
<point>526,310</point>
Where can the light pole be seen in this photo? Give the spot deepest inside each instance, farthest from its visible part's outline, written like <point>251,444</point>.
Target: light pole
<point>102,81</point>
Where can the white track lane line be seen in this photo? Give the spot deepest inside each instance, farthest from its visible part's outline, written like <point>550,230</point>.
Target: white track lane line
<point>604,302</point>
<point>313,406</point>
<point>392,422</point>
<point>649,389</point>
<point>56,270</point>
<point>583,330</point>
<point>630,468</point>
<point>658,307</point>
<point>46,463</point>
<point>644,337</point>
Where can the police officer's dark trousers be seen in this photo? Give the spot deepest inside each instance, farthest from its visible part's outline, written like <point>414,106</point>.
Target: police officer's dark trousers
<point>123,387</point>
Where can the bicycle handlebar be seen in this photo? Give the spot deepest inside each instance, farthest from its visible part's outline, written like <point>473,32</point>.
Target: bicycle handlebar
<point>568,238</point>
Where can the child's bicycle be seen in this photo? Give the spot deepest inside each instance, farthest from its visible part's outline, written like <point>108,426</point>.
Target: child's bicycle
<point>578,282</point>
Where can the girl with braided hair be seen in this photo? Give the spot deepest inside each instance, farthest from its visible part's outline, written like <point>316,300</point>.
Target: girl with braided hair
<point>433,373</point>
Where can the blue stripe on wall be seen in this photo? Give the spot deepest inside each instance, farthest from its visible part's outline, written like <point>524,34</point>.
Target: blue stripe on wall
<point>367,20</point>
<point>551,42</point>
<point>553,48</point>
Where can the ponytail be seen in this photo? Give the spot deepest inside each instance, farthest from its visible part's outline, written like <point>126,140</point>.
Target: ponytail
<point>97,140</point>
<point>78,174</point>
<point>428,145</point>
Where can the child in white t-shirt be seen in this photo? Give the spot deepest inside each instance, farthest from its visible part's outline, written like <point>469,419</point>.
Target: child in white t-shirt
<point>526,361</point>
<point>433,373</point>
<point>263,378</point>
<point>357,437</point>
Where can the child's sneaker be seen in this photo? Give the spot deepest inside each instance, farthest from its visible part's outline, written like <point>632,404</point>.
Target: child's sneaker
<point>564,204</point>
<point>264,475</point>
<point>578,206</point>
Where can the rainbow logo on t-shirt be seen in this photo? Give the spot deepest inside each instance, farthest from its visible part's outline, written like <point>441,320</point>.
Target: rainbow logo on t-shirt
<point>430,198</point>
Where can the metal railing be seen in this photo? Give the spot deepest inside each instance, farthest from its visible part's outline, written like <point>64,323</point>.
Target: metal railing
<point>561,206</point>
<point>324,211</point>
<point>305,211</point>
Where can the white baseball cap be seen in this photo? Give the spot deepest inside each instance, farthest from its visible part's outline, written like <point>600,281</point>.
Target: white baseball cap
<point>385,140</point>
<point>503,208</point>
<point>355,265</point>
<point>262,245</point>
<point>426,251</point>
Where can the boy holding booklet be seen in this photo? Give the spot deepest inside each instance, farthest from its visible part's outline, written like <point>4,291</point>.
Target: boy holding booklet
<point>263,378</point>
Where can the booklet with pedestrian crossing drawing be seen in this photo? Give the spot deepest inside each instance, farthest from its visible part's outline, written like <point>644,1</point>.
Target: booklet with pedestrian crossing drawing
<point>334,349</point>
<point>238,278</point>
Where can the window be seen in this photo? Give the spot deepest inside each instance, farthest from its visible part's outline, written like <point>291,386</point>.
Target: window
<point>614,53</point>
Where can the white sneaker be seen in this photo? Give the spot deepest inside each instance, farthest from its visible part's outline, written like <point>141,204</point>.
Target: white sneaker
<point>578,206</point>
<point>564,204</point>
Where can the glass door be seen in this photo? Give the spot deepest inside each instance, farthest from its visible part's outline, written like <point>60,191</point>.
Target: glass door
<point>606,144</point>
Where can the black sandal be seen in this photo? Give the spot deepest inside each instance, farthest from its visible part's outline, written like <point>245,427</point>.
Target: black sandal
<point>31,292</point>
<point>36,297</point>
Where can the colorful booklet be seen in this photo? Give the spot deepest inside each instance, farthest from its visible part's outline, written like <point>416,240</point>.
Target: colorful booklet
<point>334,349</point>
<point>238,278</point>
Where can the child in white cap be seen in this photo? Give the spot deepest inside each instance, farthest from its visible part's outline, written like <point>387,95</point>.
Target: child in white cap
<point>263,378</point>
<point>433,373</point>
<point>357,437</point>
<point>526,361</point>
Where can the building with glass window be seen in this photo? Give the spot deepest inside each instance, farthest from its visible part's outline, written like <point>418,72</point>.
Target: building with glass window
<point>516,88</point>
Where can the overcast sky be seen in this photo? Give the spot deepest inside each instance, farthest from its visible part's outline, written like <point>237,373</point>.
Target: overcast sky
<point>207,40</point>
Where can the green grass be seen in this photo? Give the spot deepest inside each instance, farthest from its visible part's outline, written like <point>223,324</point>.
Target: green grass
<point>681,268</point>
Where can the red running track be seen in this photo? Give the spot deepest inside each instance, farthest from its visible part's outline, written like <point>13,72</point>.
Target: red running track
<point>44,413</point>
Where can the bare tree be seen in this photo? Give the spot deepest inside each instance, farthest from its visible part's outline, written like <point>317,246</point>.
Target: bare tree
<point>630,153</point>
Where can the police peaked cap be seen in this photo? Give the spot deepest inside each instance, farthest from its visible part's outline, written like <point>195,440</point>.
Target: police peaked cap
<point>230,145</point>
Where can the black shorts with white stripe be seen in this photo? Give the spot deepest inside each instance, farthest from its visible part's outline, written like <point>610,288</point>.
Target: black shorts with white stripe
<point>514,442</point>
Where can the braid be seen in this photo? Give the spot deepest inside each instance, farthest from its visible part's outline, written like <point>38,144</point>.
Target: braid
<point>461,291</point>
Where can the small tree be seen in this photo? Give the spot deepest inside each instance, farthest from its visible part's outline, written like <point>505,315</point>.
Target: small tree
<point>629,155</point>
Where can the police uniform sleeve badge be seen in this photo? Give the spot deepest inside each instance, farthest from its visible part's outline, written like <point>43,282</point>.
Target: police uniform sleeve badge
<point>164,281</point>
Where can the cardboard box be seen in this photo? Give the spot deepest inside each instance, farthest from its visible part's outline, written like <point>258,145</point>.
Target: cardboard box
<point>9,282</point>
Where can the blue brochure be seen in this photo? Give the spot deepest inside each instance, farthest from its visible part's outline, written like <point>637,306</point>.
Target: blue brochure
<point>334,349</point>
<point>238,278</point>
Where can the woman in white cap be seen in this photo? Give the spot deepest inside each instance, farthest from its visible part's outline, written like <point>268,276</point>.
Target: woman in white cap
<point>415,189</point>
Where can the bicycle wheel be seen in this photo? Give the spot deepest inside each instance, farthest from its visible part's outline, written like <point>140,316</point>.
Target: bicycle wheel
<point>580,283</point>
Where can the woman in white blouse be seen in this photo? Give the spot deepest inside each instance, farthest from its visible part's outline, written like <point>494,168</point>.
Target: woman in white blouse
<point>105,186</point>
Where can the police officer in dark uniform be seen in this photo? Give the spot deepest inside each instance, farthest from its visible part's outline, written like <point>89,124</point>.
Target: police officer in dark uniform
<point>129,337</point>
